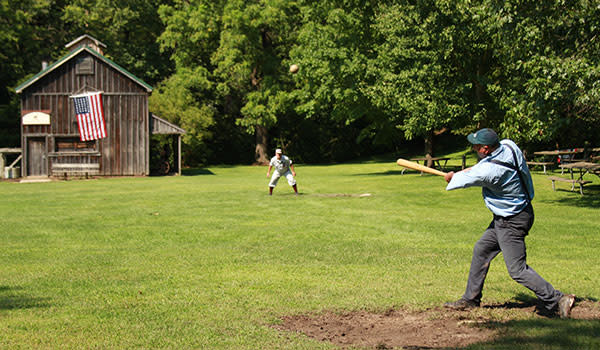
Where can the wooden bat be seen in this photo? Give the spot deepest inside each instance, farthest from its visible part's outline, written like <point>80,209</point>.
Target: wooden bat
<point>416,166</point>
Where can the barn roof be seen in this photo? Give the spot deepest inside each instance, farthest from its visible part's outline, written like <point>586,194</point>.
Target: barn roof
<point>72,54</point>
<point>160,126</point>
<point>96,42</point>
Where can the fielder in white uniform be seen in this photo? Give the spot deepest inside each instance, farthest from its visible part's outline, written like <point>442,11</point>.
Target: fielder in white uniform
<point>283,167</point>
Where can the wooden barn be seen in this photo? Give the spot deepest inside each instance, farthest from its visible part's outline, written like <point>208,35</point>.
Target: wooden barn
<point>52,137</point>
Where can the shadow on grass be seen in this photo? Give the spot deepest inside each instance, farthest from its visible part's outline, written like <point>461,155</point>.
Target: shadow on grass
<point>549,332</point>
<point>590,198</point>
<point>383,173</point>
<point>10,299</point>
<point>196,171</point>
<point>522,301</point>
<point>544,334</point>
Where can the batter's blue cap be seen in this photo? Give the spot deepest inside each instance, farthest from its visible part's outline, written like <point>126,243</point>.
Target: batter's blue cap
<point>483,137</point>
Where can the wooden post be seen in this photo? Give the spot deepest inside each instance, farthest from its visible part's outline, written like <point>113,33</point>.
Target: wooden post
<point>2,162</point>
<point>179,154</point>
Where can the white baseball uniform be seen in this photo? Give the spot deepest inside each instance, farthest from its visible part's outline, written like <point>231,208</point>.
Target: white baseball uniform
<point>281,168</point>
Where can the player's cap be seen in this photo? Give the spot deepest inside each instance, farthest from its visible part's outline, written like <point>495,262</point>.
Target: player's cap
<point>278,151</point>
<point>483,137</point>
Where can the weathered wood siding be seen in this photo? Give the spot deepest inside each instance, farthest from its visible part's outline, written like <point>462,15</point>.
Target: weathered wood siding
<point>125,149</point>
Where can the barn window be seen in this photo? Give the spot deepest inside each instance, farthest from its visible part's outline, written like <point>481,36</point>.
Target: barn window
<point>84,65</point>
<point>73,144</point>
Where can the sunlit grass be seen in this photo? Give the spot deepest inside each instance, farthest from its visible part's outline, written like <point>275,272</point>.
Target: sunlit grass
<point>210,261</point>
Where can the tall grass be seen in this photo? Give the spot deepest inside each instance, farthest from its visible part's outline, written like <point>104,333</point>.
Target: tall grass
<point>209,260</point>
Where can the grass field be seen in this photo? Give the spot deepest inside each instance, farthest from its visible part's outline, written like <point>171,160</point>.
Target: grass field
<point>209,261</point>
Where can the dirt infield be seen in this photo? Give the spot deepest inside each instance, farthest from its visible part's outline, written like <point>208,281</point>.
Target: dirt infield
<point>429,329</point>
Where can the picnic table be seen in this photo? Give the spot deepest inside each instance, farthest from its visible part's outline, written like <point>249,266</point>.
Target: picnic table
<point>436,160</point>
<point>569,153</point>
<point>583,167</point>
<point>559,153</point>
<point>550,158</point>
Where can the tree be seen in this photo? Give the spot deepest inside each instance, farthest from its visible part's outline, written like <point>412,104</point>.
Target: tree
<point>549,84</point>
<point>130,29</point>
<point>29,29</point>
<point>414,77</point>
<point>250,63</point>
<point>184,99</point>
<point>333,48</point>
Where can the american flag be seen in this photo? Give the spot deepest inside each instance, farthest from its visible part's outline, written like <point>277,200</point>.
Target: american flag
<point>90,116</point>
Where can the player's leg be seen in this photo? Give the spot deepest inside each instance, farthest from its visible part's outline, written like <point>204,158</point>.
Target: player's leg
<point>484,251</point>
<point>291,181</point>
<point>274,179</point>
<point>512,242</point>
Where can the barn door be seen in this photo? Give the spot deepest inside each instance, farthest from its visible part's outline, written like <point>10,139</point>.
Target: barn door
<point>36,157</point>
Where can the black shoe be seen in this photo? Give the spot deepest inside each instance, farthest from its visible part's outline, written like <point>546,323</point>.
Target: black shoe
<point>565,304</point>
<point>461,304</point>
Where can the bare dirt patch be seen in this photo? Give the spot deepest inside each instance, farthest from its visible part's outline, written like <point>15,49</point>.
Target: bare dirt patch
<point>429,329</point>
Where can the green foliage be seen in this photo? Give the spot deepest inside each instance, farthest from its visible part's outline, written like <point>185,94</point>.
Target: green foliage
<point>28,30</point>
<point>191,32</point>
<point>330,51</point>
<point>414,77</point>
<point>184,99</point>
<point>550,78</point>
<point>373,76</point>
<point>129,28</point>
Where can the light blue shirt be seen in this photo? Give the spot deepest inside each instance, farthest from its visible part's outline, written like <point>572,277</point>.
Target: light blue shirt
<point>501,187</point>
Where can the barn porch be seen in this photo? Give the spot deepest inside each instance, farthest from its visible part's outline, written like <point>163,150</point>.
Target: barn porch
<point>159,126</point>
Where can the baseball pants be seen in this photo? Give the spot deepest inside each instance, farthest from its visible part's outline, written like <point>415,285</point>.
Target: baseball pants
<point>507,235</point>
<point>276,175</point>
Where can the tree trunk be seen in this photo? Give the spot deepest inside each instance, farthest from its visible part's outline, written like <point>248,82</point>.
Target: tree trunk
<point>429,148</point>
<point>260,152</point>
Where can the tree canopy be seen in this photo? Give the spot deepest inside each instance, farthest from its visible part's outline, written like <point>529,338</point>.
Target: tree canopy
<point>373,74</point>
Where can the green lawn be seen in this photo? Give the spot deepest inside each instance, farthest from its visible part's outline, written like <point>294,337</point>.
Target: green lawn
<point>209,260</point>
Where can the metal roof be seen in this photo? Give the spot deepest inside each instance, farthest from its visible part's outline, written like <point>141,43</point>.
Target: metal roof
<point>72,54</point>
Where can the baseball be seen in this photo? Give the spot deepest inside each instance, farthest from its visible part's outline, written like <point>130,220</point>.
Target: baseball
<point>293,68</point>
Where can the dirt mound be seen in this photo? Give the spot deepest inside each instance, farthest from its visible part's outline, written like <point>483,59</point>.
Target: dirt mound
<point>428,329</point>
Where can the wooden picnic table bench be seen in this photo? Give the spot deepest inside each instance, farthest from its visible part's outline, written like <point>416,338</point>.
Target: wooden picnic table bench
<point>543,164</point>
<point>571,181</point>
<point>75,169</point>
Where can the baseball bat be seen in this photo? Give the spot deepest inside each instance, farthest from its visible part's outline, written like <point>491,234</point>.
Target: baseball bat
<point>416,166</point>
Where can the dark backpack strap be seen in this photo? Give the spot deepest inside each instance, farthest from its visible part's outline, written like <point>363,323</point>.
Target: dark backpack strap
<point>514,167</point>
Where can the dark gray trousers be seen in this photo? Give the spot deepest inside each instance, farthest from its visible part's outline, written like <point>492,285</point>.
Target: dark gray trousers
<point>507,235</point>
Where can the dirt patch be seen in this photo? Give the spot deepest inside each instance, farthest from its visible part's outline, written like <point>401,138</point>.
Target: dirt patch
<point>429,329</point>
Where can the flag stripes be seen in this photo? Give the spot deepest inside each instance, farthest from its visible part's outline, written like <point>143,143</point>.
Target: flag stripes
<point>90,116</point>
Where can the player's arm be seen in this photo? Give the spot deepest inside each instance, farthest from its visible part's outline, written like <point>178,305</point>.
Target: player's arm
<point>450,174</point>
<point>292,169</point>
<point>269,170</point>
<point>478,175</point>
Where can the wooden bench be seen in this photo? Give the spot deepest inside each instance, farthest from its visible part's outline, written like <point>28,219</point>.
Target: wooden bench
<point>544,164</point>
<point>571,181</point>
<point>75,169</point>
